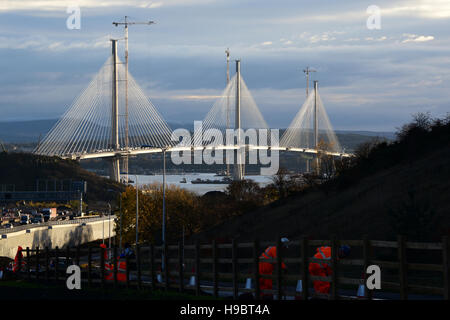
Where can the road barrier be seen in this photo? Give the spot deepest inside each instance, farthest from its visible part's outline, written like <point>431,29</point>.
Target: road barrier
<point>219,268</point>
<point>55,223</point>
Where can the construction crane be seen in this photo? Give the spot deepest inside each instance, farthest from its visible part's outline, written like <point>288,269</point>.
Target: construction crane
<point>307,71</point>
<point>126,23</point>
<point>227,52</point>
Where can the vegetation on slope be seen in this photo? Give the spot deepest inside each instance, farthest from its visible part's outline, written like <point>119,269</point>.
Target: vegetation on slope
<point>22,170</point>
<point>387,189</point>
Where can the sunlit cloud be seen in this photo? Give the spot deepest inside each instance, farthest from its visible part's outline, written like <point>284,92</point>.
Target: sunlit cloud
<point>416,38</point>
<point>61,5</point>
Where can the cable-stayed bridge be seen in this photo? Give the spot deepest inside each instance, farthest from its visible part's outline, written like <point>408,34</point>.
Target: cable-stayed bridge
<point>95,126</point>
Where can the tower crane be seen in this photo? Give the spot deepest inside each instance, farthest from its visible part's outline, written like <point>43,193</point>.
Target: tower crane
<point>307,71</point>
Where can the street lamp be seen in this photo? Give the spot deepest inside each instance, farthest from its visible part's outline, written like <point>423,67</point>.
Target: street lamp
<point>164,149</point>
<point>164,198</point>
<point>103,229</point>
<point>109,226</point>
<point>120,213</point>
<point>164,222</point>
<point>137,209</point>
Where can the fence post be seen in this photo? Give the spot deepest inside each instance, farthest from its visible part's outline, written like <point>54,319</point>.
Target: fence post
<point>37,267</point>
<point>446,267</point>
<point>67,256</point>
<point>305,269</point>
<point>180,266</point>
<point>47,271</point>
<point>77,256</point>
<point>279,269</point>
<point>19,267</point>
<point>335,268</point>
<point>366,257</point>
<point>152,265</point>
<point>166,266</point>
<point>215,269</point>
<point>127,269</point>
<point>102,266</point>
<point>56,262</point>
<point>256,268</point>
<point>403,268</point>
<point>234,266</point>
<point>28,264</point>
<point>115,262</point>
<point>197,267</point>
<point>90,266</point>
<point>138,262</point>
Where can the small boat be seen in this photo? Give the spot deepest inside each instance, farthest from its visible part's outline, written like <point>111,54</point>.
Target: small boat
<point>225,180</point>
<point>221,174</point>
<point>183,180</point>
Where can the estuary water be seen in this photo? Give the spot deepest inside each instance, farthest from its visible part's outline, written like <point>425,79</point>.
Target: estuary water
<point>172,179</point>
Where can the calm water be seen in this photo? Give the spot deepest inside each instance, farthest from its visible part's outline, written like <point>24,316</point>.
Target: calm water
<point>198,188</point>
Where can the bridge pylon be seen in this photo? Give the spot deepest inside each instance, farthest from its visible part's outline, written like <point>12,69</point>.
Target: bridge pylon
<point>239,167</point>
<point>115,165</point>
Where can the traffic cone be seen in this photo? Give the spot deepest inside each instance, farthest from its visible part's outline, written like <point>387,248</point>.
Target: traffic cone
<point>159,276</point>
<point>248,283</point>
<point>192,279</point>
<point>299,290</point>
<point>360,294</point>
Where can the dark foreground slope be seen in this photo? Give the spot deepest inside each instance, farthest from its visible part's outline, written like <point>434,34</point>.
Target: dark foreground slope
<point>23,169</point>
<point>398,188</point>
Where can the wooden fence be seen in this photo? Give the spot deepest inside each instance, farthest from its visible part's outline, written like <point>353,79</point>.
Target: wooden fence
<point>224,268</point>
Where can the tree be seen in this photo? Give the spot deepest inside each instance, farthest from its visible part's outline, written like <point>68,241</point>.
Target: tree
<point>244,195</point>
<point>181,210</point>
<point>281,183</point>
<point>325,162</point>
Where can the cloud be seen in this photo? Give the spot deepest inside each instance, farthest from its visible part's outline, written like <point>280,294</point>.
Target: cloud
<point>432,9</point>
<point>267,43</point>
<point>41,43</point>
<point>61,5</point>
<point>416,38</point>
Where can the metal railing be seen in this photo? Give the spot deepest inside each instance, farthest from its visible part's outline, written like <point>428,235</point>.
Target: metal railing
<point>54,223</point>
<point>216,268</point>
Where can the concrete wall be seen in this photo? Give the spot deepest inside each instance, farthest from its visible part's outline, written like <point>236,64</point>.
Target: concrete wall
<point>55,235</point>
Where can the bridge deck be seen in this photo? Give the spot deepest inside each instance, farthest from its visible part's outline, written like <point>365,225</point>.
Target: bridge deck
<point>138,151</point>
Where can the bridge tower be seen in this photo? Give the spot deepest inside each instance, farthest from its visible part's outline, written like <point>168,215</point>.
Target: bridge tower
<point>115,161</point>
<point>240,156</point>
<point>316,126</point>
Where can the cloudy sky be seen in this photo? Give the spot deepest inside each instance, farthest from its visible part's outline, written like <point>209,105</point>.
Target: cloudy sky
<point>369,79</point>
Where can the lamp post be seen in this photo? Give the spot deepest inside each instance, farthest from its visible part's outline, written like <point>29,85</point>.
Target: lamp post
<point>120,212</point>
<point>164,149</point>
<point>103,229</point>
<point>164,198</point>
<point>109,226</point>
<point>137,208</point>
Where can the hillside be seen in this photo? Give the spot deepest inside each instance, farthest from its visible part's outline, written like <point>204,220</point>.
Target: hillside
<point>23,169</point>
<point>397,188</point>
<point>25,131</point>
